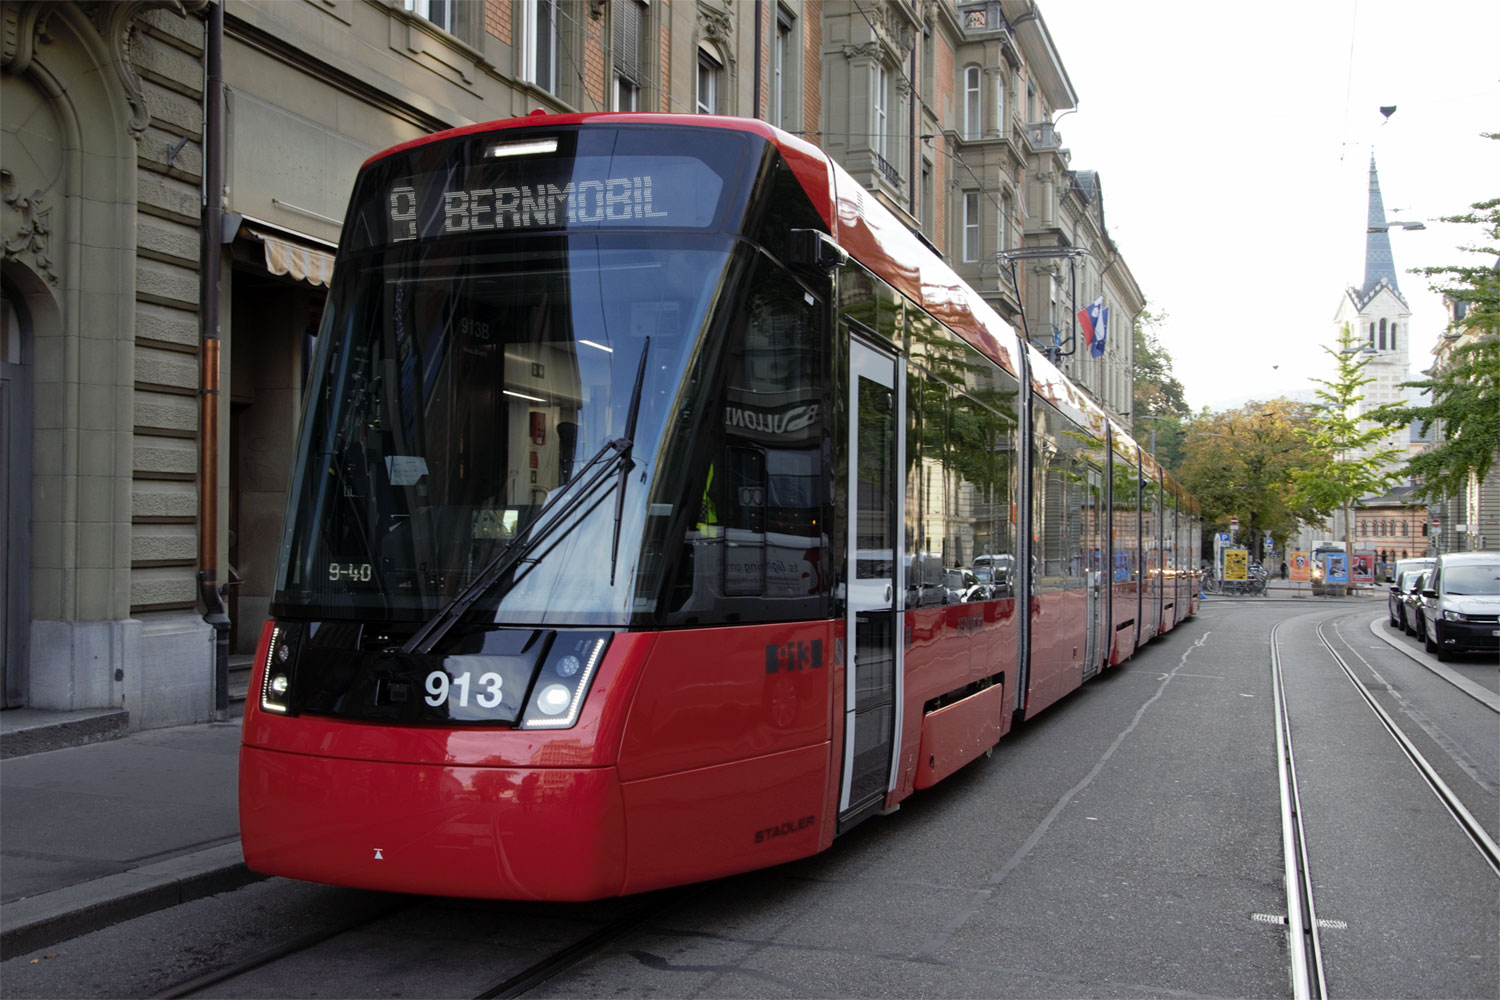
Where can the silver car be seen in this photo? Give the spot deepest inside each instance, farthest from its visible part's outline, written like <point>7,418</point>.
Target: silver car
<point>1413,605</point>
<point>1397,602</point>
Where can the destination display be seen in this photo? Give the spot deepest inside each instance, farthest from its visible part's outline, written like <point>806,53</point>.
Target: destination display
<point>495,184</point>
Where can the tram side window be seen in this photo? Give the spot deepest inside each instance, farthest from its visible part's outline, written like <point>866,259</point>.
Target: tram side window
<point>1151,526</point>
<point>1061,488</point>
<point>755,548</point>
<point>931,559</point>
<point>1126,513</point>
<point>960,451</point>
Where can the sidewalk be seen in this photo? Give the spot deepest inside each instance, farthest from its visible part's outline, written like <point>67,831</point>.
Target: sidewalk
<point>96,833</point>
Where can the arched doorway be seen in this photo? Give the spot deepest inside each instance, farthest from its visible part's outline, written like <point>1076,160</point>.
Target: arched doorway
<point>16,339</point>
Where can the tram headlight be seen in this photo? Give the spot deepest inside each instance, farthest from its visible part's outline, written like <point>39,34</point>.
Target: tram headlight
<point>281,659</point>
<point>557,696</point>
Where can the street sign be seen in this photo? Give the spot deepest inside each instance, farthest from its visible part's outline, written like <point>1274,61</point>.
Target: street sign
<point>1224,537</point>
<point>1234,523</point>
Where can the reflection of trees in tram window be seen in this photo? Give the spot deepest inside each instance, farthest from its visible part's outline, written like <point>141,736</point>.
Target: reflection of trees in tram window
<point>961,445</point>
<point>1061,474</point>
<point>755,480</point>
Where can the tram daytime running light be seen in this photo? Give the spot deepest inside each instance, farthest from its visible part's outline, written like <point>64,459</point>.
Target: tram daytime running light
<point>276,686</point>
<point>559,692</point>
<point>530,147</point>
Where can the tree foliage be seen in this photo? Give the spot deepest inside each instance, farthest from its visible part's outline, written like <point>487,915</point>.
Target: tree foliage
<point>1339,472</point>
<point>1239,463</point>
<point>1157,390</point>
<point>1159,409</point>
<point>1465,388</point>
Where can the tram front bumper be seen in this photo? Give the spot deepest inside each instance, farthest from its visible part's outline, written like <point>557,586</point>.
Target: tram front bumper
<point>487,832</point>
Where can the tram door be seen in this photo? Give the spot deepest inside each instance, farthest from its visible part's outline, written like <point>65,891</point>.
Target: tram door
<point>1098,568</point>
<point>872,706</point>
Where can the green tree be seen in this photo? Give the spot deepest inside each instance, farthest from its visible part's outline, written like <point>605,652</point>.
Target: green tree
<point>1339,471</point>
<point>1159,402</point>
<point>1238,463</point>
<point>1465,389</point>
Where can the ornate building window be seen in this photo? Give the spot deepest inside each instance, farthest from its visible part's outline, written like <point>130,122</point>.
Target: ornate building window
<point>1000,102</point>
<point>710,76</point>
<point>539,38</point>
<point>971,226</point>
<point>783,71</point>
<point>973,111</point>
<point>880,104</point>
<point>442,13</point>
<point>460,19</point>
<point>629,31</point>
<point>1002,233</point>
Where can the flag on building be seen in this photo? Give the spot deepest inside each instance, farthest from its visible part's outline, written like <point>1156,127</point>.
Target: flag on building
<point>1092,321</point>
<point>1097,350</point>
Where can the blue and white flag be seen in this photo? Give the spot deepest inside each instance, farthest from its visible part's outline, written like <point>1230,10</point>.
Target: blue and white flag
<point>1102,334</point>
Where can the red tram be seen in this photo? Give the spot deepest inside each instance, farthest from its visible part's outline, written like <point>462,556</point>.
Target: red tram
<point>662,509</point>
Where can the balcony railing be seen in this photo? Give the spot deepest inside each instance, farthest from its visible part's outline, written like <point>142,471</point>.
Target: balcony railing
<point>887,171</point>
<point>1042,135</point>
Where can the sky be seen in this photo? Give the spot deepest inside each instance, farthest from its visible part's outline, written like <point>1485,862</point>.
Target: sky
<point>1233,145</point>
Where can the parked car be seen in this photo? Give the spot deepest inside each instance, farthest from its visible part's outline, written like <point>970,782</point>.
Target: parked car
<point>1402,565</point>
<point>1405,583</point>
<point>1411,603</point>
<point>1461,604</point>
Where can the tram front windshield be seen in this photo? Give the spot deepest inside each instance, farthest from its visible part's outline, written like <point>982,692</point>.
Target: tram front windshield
<point>464,380</point>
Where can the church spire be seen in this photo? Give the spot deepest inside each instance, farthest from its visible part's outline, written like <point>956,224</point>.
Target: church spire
<point>1378,261</point>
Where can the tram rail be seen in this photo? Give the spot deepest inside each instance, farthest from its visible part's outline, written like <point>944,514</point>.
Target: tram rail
<point>514,983</point>
<point>1307,967</point>
<point>1303,944</point>
<point>1466,820</point>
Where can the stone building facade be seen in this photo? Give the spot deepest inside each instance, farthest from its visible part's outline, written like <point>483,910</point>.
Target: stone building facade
<point>117,393</point>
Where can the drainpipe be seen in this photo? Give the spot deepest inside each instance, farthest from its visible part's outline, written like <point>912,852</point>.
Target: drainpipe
<point>760,37</point>
<point>913,178</point>
<point>208,396</point>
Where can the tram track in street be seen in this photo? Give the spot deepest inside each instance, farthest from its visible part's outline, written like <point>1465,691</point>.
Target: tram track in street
<point>1304,945</point>
<point>303,942</point>
<point>1303,926</point>
<point>514,983</point>
<point>1465,819</point>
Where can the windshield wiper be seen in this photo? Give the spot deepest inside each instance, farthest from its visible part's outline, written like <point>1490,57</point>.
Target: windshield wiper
<point>626,464</point>
<point>558,510</point>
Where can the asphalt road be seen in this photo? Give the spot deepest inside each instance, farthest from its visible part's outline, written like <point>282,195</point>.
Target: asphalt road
<point>1126,843</point>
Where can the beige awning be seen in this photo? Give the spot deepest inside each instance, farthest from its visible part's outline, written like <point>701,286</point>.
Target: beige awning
<point>297,260</point>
